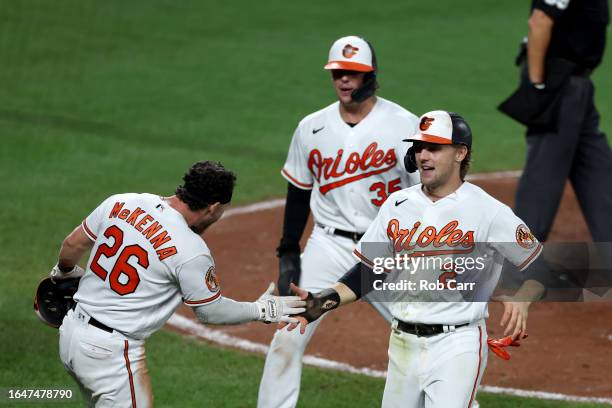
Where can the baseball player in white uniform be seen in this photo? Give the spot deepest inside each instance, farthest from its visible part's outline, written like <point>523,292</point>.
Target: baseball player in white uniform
<point>343,163</point>
<point>147,256</point>
<point>437,349</point>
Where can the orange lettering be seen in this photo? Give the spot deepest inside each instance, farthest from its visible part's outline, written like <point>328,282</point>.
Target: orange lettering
<point>137,213</point>
<point>468,240</point>
<point>151,230</point>
<point>116,208</point>
<point>444,233</point>
<point>352,163</point>
<point>449,235</point>
<point>166,252</point>
<point>142,222</point>
<point>160,239</point>
<point>426,237</point>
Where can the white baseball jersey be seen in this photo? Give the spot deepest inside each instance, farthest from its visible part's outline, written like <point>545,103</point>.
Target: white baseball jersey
<point>351,170</point>
<point>144,260</point>
<point>467,224</point>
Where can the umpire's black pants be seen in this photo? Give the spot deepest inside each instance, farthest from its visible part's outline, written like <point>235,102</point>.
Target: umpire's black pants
<point>578,150</point>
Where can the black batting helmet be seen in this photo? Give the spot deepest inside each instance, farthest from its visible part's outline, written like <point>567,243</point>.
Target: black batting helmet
<point>439,127</point>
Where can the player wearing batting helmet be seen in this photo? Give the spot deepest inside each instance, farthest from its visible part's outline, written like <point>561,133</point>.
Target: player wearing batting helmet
<point>438,344</point>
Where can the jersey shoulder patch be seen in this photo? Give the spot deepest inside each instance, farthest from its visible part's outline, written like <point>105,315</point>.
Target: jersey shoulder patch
<point>211,280</point>
<point>525,238</point>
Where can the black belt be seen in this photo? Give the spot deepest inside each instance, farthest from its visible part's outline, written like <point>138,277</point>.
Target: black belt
<point>96,323</point>
<point>355,236</point>
<point>424,330</point>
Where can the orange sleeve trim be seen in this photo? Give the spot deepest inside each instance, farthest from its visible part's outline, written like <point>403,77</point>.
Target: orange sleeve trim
<point>294,180</point>
<point>90,234</point>
<point>203,301</point>
<point>531,257</point>
<point>363,259</point>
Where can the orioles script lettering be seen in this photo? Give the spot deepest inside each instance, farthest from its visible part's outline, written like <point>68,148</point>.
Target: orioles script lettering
<point>448,240</point>
<point>372,161</point>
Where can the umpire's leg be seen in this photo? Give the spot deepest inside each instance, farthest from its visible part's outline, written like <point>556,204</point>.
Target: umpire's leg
<point>549,160</point>
<point>591,172</point>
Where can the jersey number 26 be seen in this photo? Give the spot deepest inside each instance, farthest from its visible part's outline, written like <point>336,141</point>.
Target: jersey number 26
<point>121,266</point>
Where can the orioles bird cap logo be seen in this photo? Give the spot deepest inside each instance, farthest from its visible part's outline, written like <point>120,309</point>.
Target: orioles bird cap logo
<point>349,51</point>
<point>425,123</point>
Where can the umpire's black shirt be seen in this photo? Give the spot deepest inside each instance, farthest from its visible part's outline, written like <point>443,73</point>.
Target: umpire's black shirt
<point>579,32</point>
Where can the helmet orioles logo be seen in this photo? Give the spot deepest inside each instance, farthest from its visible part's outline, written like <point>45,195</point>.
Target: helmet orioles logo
<point>524,237</point>
<point>349,51</point>
<point>425,123</point>
<point>211,280</point>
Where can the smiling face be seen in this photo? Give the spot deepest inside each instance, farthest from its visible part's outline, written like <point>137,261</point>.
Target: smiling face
<point>345,82</point>
<point>439,164</point>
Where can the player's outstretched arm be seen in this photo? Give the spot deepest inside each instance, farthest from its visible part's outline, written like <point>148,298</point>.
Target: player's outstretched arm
<point>319,303</point>
<point>516,307</point>
<point>73,248</point>
<point>354,284</point>
<point>268,308</point>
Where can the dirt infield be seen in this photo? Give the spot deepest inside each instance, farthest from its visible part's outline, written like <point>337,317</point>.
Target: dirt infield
<point>568,351</point>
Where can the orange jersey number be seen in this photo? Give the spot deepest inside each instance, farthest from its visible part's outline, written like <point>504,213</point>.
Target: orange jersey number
<point>383,191</point>
<point>121,264</point>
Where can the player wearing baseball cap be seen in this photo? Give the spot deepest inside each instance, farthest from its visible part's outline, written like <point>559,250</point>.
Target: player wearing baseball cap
<point>147,257</point>
<point>343,162</point>
<point>437,348</point>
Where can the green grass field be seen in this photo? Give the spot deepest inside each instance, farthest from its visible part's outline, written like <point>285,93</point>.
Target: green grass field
<point>106,97</point>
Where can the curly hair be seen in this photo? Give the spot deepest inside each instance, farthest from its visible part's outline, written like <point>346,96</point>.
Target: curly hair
<point>206,183</point>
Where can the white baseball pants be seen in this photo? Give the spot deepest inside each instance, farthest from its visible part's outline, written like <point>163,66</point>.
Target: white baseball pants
<point>109,368</point>
<point>325,259</point>
<point>441,371</point>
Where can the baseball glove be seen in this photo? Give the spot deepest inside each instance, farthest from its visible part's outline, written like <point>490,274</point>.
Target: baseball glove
<point>52,300</point>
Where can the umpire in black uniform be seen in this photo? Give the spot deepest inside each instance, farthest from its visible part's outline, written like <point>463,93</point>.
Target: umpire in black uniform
<point>571,145</point>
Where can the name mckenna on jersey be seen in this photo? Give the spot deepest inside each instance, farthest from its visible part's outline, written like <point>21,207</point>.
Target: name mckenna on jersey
<point>154,232</point>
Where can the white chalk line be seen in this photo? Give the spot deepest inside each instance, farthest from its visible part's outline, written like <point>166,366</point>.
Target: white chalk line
<point>251,208</point>
<point>200,331</point>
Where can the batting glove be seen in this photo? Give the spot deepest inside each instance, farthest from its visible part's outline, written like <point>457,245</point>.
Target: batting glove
<point>274,309</point>
<point>57,274</point>
<point>289,270</point>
